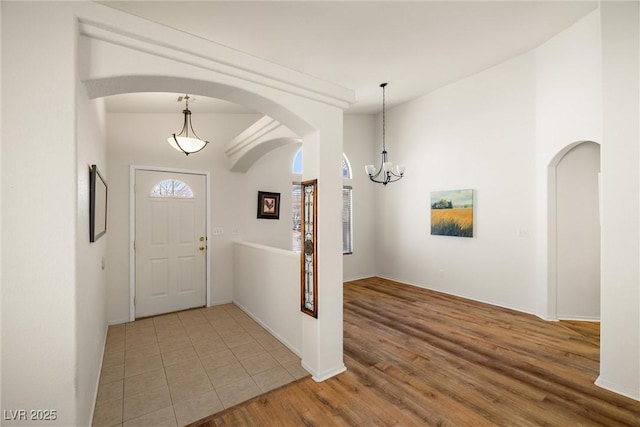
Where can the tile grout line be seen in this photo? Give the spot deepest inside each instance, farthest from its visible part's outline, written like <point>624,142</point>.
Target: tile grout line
<point>166,377</point>
<point>236,321</point>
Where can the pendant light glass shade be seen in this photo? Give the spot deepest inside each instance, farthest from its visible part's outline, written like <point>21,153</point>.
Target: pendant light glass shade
<point>187,145</point>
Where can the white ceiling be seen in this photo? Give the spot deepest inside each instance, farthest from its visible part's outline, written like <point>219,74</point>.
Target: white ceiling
<point>415,46</point>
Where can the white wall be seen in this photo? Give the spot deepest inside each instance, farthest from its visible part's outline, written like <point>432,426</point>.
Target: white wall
<point>39,211</point>
<point>578,229</point>
<point>360,148</point>
<point>271,173</point>
<point>568,110</point>
<point>478,134</point>
<point>141,139</point>
<point>620,327</point>
<point>498,132</point>
<point>267,286</point>
<point>91,284</point>
<point>0,203</point>
<point>495,132</point>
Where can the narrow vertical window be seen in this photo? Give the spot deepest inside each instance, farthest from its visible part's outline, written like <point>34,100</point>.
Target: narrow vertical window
<point>296,202</point>
<point>347,217</point>
<point>347,210</point>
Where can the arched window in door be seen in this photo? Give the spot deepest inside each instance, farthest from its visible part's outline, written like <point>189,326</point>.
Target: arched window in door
<point>171,188</point>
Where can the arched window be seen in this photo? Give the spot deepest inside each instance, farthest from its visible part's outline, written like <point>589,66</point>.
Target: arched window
<point>296,166</point>
<point>297,162</point>
<point>171,188</point>
<point>347,212</point>
<point>346,167</point>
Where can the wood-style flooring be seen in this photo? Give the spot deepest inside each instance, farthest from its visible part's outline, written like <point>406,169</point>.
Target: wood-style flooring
<point>417,357</point>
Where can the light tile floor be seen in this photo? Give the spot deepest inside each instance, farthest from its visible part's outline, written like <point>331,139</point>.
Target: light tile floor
<point>175,369</point>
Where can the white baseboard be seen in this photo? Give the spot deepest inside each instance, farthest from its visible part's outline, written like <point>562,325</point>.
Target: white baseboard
<point>220,302</point>
<point>580,318</point>
<point>95,394</point>
<point>322,376</point>
<point>296,351</point>
<point>460,295</point>
<point>616,388</point>
<point>351,279</point>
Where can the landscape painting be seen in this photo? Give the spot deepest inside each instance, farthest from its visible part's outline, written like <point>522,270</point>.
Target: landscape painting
<point>452,213</point>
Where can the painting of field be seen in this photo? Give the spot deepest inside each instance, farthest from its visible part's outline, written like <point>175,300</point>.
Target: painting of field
<point>452,213</point>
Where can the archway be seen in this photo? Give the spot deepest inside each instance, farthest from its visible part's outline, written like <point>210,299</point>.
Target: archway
<point>97,88</point>
<point>124,54</point>
<point>574,232</point>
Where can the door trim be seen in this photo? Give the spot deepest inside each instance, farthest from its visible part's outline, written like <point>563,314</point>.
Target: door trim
<point>132,229</point>
<point>552,225</point>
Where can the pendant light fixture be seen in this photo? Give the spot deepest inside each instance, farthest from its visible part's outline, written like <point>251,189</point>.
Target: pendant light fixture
<point>388,172</point>
<point>187,141</point>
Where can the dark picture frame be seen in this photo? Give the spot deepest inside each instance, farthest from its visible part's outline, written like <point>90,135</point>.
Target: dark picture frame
<point>268,205</point>
<point>97,204</point>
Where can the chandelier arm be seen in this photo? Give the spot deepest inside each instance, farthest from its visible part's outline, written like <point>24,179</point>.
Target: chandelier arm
<point>201,148</point>
<point>194,132</point>
<point>378,181</point>
<point>185,128</point>
<point>380,170</point>
<point>387,180</point>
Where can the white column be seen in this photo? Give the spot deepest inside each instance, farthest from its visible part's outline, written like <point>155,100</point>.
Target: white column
<point>322,337</point>
<point>620,331</point>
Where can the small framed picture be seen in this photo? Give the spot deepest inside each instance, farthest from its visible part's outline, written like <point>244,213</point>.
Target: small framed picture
<point>268,205</point>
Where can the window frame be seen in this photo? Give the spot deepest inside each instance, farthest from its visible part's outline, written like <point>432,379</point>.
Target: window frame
<point>296,184</point>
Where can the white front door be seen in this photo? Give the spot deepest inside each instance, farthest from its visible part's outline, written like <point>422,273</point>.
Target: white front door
<point>170,242</point>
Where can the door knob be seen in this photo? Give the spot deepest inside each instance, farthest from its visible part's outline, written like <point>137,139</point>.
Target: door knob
<point>202,248</point>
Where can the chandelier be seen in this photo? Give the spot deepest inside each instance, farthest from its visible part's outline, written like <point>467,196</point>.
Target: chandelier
<point>388,172</point>
<point>182,141</point>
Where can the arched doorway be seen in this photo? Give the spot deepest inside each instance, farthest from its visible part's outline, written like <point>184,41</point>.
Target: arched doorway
<point>574,232</point>
<point>116,57</point>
